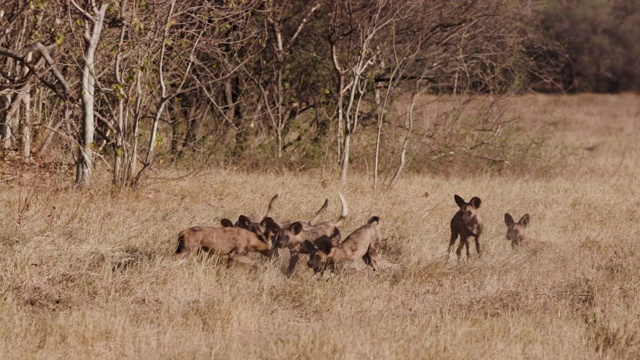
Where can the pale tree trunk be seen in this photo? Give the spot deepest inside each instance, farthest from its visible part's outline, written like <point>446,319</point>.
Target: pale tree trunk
<point>26,124</point>
<point>91,36</point>
<point>380,113</point>
<point>405,143</point>
<point>12,117</point>
<point>5,125</point>
<point>358,79</point>
<point>163,99</point>
<point>164,95</point>
<point>26,120</point>
<point>119,173</point>
<point>280,119</point>
<point>133,164</point>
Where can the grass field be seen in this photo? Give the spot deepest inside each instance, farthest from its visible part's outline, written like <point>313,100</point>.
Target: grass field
<point>91,274</point>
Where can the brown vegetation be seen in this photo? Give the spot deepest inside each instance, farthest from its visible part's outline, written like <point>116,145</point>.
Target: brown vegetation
<point>92,274</point>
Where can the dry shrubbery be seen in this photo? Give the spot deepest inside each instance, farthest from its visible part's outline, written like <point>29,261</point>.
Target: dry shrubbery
<point>91,274</point>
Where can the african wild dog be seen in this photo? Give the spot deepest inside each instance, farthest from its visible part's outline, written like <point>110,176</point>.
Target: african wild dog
<point>232,241</point>
<point>363,243</point>
<point>517,233</point>
<point>294,236</point>
<point>466,223</point>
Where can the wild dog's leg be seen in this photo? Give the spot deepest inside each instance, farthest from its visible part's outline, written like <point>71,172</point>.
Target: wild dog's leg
<point>292,262</point>
<point>239,256</point>
<point>369,261</point>
<point>452,241</point>
<point>371,257</point>
<point>477,240</point>
<point>463,242</point>
<point>466,246</point>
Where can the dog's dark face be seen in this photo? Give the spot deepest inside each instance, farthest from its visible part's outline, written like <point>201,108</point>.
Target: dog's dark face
<point>272,229</point>
<point>287,235</point>
<point>469,210</point>
<point>319,251</point>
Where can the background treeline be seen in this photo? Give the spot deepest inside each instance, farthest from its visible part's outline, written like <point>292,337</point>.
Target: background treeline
<point>257,84</point>
<point>602,41</point>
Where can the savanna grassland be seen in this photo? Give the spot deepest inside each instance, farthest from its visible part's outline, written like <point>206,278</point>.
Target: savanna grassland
<point>91,273</point>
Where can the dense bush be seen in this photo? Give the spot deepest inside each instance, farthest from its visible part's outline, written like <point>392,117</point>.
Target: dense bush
<point>602,38</point>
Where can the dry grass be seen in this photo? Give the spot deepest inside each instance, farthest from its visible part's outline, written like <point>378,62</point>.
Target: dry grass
<point>91,274</point>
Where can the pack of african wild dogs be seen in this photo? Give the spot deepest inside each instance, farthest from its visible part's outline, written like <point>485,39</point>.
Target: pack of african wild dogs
<point>324,244</point>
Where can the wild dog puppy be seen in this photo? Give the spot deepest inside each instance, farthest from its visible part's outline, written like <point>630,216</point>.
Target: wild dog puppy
<point>466,223</point>
<point>517,233</point>
<point>364,243</point>
<point>294,236</point>
<point>234,242</point>
<point>244,222</point>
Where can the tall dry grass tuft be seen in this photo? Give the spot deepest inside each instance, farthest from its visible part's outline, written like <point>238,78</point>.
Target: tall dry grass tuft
<point>92,274</point>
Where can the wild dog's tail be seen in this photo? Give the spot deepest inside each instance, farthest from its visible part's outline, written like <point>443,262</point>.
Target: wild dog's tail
<point>181,246</point>
<point>376,220</point>
<point>270,207</point>
<point>345,210</point>
<point>316,217</point>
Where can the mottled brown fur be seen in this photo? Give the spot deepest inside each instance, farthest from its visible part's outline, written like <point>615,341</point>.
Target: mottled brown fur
<point>294,236</point>
<point>517,233</point>
<point>232,241</point>
<point>464,224</point>
<point>363,243</point>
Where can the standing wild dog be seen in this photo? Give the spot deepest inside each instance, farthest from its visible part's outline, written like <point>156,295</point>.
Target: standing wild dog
<point>517,233</point>
<point>294,236</point>
<point>466,223</point>
<point>363,243</point>
<point>234,242</point>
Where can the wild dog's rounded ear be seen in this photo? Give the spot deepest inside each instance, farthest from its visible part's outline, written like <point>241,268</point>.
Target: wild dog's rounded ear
<point>374,219</point>
<point>508,219</point>
<point>326,246</point>
<point>270,225</point>
<point>296,227</point>
<point>226,223</point>
<point>256,228</point>
<point>460,201</point>
<point>524,220</point>
<point>309,247</point>
<point>243,222</point>
<point>476,202</point>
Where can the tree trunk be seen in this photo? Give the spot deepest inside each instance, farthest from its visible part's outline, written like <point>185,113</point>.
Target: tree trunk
<point>26,124</point>
<point>91,36</point>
